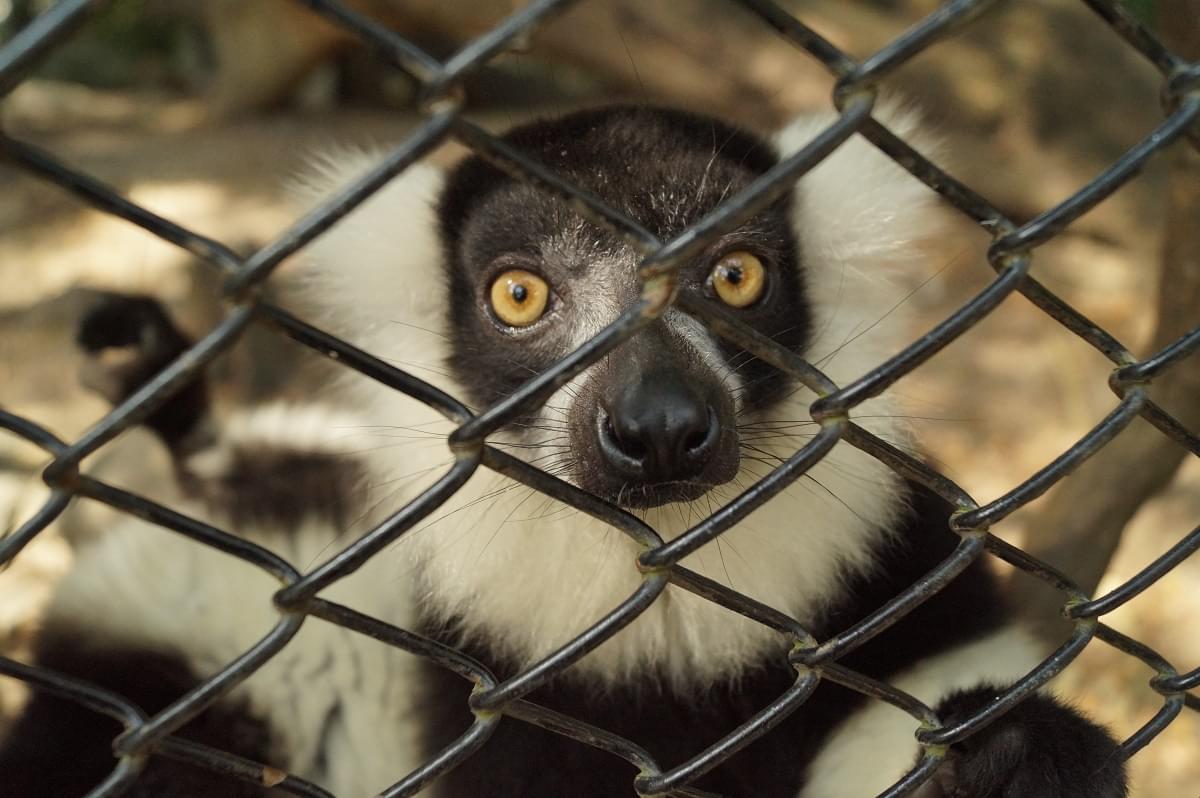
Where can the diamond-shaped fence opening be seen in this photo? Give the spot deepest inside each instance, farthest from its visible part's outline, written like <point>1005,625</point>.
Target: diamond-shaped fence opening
<point>1011,254</point>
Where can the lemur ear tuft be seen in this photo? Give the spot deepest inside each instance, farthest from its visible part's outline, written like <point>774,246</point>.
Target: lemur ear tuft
<point>380,263</point>
<point>861,221</point>
<point>858,204</point>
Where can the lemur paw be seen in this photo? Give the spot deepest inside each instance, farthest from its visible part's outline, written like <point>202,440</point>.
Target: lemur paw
<point>1041,749</point>
<point>126,341</point>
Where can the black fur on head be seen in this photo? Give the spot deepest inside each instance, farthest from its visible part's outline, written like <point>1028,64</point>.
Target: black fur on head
<point>666,169</point>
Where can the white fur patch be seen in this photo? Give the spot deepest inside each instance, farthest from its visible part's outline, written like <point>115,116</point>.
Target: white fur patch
<point>294,427</point>
<point>874,747</point>
<point>529,574</point>
<point>334,698</point>
<point>861,220</point>
<point>378,270</point>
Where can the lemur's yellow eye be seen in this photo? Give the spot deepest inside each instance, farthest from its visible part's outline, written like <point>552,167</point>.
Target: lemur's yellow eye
<point>739,279</point>
<point>519,297</point>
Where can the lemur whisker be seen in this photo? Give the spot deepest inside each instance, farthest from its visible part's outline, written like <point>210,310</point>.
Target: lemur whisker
<point>511,512</point>
<point>415,364</point>
<point>410,325</point>
<point>913,292</point>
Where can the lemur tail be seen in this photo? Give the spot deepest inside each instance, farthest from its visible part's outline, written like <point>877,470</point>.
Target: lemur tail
<point>127,340</point>
<point>270,465</point>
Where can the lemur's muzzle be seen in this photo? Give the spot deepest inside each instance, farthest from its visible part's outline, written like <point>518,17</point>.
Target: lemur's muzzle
<point>654,426</point>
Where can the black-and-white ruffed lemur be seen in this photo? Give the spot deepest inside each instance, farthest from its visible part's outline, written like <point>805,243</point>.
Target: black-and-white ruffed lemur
<point>478,281</point>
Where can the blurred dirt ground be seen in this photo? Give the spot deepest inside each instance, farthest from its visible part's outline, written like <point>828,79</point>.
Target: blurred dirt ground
<point>991,409</point>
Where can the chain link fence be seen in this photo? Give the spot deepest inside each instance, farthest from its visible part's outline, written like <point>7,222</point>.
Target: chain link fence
<point>442,104</point>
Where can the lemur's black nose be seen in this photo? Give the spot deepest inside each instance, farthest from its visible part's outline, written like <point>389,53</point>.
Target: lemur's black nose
<point>658,428</point>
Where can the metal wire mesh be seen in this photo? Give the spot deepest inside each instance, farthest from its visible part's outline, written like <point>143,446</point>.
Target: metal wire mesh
<point>442,104</point>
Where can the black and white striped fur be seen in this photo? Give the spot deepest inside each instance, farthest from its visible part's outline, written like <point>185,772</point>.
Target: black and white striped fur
<point>510,576</point>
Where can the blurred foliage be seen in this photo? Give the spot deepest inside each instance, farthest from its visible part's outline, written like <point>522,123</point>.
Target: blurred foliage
<point>1142,9</point>
<point>129,43</point>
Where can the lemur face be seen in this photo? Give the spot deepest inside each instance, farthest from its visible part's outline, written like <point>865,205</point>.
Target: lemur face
<point>657,420</point>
